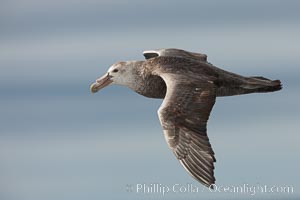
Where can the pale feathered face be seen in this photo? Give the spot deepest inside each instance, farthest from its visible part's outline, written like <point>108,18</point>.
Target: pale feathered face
<point>119,73</point>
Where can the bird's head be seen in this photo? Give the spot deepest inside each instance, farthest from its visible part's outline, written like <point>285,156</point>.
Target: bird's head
<point>120,73</point>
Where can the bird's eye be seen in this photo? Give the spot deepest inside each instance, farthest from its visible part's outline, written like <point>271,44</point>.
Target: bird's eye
<point>115,70</point>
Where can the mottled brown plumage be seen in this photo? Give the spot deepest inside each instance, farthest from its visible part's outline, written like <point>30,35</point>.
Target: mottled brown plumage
<point>189,86</point>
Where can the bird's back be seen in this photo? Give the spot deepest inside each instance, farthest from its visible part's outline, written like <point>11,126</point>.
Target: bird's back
<point>226,83</point>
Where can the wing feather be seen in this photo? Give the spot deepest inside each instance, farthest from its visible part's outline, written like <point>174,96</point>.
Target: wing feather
<point>183,116</point>
<point>148,54</point>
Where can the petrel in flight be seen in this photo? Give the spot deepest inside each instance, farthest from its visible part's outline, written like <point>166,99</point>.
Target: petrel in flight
<point>189,86</point>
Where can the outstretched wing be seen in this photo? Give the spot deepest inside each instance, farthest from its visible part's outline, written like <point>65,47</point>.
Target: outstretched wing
<point>174,53</point>
<point>183,116</point>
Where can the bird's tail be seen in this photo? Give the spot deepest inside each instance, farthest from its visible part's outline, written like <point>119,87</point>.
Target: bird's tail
<point>247,85</point>
<point>261,84</point>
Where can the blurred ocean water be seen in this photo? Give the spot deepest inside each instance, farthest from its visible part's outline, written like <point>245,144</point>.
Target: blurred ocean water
<point>59,141</point>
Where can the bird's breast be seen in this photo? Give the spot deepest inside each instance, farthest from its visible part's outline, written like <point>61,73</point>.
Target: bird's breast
<point>153,87</point>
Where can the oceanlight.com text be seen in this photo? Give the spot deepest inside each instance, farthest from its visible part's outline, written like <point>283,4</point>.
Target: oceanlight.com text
<point>248,189</point>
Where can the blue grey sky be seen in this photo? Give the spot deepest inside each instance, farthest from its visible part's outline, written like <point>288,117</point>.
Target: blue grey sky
<point>58,141</point>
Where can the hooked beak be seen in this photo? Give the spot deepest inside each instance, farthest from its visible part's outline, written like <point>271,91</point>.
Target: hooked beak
<point>101,83</point>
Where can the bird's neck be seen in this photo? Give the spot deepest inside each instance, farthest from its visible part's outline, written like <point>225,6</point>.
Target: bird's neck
<point>135,76</point>
<point>146,84</point>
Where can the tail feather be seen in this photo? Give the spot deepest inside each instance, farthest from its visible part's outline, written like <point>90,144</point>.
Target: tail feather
<point>261,84</point>
<point>275,86</point>
<point>256,84</point>
<point>261,78</point>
